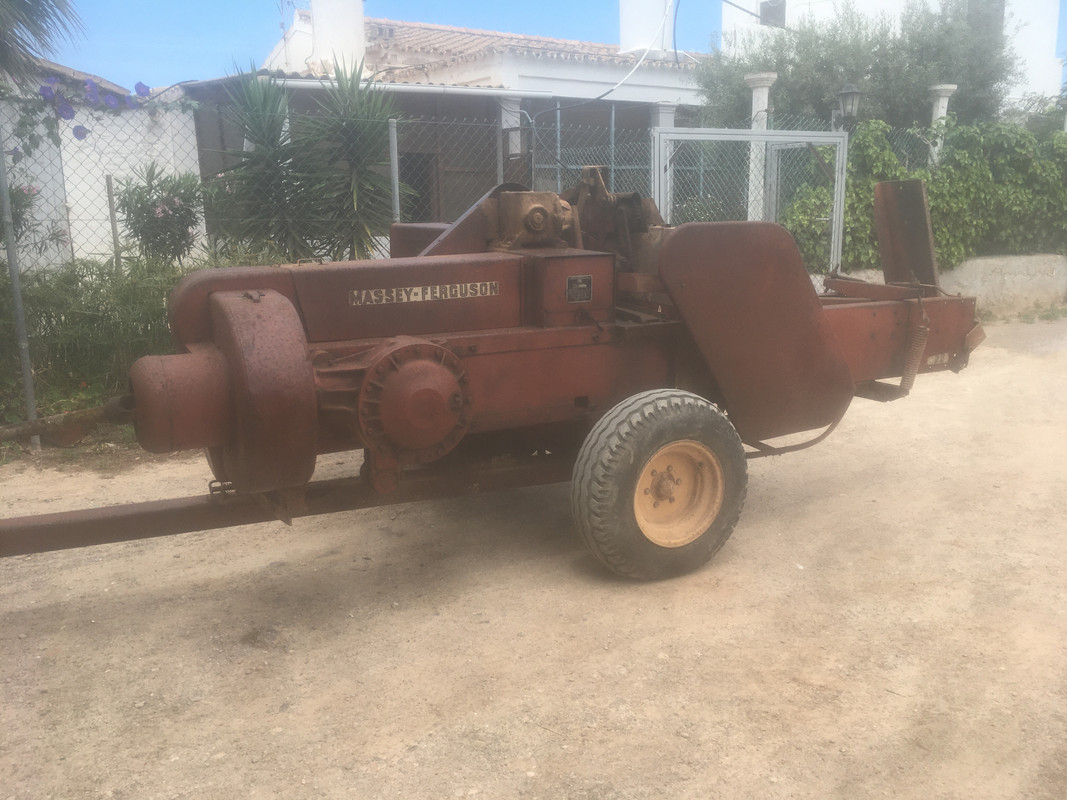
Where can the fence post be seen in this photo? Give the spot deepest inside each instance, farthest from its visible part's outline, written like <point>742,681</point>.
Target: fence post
<point>394,169</point>
<point>837,224</point>
<point>559,152</point>
<point>611,151</point>
<point>760,84</point>
<point>110,184</point>
<point>16,292</point>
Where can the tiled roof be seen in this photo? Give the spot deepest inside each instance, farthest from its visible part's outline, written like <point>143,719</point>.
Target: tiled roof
<point>420,46</point>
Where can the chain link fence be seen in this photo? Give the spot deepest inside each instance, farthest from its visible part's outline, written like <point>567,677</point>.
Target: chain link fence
<point>178,185</point>
<point>65,175</point>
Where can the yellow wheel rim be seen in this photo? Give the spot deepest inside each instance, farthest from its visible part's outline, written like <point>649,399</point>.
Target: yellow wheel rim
<point>679,493</point>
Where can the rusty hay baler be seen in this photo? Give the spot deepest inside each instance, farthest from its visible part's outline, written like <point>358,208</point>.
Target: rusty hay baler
<point>537,339</point>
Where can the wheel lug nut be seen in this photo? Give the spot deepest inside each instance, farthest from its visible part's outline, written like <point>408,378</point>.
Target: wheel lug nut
<point>653,473</point>
<point>670,468</point>
<point>671,499</point>
<point>647,491</point>
<point>656,504</point>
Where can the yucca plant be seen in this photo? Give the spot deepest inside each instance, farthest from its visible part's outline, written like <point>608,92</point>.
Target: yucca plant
<point>306,185</point>
<point>257,203</point>
<point>344,165</point>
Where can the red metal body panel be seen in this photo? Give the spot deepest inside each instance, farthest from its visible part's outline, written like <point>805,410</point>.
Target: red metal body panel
<point>413,296</point>
<point>273,390</point>
<point>745,297</point>
<point>873,336</point>
<point>569,287</point>
<point>408,239</point>
<point>517,387</point>
<point>187,309</point>
<point>905,237</point>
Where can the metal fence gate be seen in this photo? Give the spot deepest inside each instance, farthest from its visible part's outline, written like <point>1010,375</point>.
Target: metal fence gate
<point>796,178</point>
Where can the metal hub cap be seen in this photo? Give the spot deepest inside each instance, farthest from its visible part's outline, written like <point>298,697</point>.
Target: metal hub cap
<point>679,493</point>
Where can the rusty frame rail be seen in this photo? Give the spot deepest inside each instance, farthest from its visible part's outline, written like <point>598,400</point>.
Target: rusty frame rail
<point>69,529</point>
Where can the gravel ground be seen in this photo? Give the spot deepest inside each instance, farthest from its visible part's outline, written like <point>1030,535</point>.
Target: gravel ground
<point>889,619</point>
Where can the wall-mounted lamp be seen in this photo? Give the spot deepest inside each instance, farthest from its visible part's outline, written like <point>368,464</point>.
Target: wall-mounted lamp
<point>848,106</point>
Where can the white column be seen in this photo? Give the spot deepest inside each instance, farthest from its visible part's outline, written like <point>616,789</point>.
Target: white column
<point>939,96</point>
<point>760,83</point>
<point>509,122</point>
<point>662,115</point>
<point>337,35</point>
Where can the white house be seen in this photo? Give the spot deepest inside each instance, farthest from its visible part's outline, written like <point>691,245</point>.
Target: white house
<point>485,91</point>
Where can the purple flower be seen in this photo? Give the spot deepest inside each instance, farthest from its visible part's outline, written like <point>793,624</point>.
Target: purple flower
<point>65,110</point>
<point>14,151</point>
<point>111,101</point>
<point>80,132</point>
<point>92,91</point>
<point>47,92</point>
<point>142,89</point>
<point>131,101</point>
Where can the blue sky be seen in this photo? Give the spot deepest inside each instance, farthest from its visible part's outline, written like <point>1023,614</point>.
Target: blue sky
<point>162,42</point>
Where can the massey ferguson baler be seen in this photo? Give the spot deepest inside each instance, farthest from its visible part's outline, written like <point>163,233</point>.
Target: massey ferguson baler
<point>539,338</point>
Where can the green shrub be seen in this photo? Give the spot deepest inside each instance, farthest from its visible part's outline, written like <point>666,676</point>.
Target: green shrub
<point>87,322</point>
<point>161,212</point>
<point>995,190</point>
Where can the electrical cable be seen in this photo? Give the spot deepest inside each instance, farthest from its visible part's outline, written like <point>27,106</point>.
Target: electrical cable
<point>671,4</point>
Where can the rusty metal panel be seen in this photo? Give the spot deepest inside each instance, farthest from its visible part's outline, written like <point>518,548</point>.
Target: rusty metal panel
<point>272,386</point>
<point>190,319</point>
<point>873,291</point>
<point>873,337</point>
<point>412,296</point>
<point>905,237</point>
<point>748,302</point>
<point>411,238</point>
<point>519,387</point>
<point>568,287</point>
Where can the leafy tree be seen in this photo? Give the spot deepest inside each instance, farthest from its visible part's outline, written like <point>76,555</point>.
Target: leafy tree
<point>959,41</point>
<point>33,28</point>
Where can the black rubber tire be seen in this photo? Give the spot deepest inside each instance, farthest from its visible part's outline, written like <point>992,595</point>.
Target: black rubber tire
<point>612,460</point>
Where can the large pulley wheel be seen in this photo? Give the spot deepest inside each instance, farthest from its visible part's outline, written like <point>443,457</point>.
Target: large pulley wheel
<point>659,484</point>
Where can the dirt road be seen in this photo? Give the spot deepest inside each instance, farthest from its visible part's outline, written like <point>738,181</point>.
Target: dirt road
<point>889,619</point>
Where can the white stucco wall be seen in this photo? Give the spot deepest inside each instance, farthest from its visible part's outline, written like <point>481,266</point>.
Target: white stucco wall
<point>42,172</point>
<point>70,181</point>
<point>118,145</point>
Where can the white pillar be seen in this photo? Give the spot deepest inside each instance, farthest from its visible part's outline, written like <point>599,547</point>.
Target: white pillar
<point>939,95</point>
<point>644,23</point>
<point>662,115</point>
<point>510,134</point>
<point>336,34</point>
<point>760,83</point>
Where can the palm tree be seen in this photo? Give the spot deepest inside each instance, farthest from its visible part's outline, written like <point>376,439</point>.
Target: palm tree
<point>30,29</point>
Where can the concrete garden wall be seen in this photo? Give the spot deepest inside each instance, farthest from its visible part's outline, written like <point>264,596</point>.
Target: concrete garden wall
<point>1004,285</point>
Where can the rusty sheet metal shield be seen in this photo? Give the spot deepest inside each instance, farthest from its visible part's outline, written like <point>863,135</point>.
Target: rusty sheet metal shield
<point>905,238</point>
<point>748,302</point>
<point>272,387</point>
